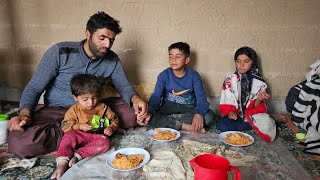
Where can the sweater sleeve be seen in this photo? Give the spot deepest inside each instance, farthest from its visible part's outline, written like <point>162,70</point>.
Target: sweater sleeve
<point>202,105</point>
<point>47,69</point>
<point>227,102</point>
<point>121,83</point>
<point>70,120</point>
<point>157,95</point>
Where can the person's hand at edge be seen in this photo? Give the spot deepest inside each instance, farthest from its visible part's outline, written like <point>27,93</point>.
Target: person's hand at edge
<point>17,123</point>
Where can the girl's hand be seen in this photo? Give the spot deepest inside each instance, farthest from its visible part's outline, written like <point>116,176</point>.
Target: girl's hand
<point>85,127</point>
<point>197,123</point>
<point>263,96</point>
<point>107,131</point>
<point>233,115</point>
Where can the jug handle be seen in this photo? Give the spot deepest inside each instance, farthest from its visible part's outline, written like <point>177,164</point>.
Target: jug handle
<point>234,174</point>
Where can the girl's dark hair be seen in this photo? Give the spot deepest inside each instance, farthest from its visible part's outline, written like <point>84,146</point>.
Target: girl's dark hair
<point>247,51</point>
<point>85,83</point>
<point>102,20</point>
<point>182,46</point>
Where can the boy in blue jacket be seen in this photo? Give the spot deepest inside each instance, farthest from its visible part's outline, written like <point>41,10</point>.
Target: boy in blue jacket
<point>179,100</point>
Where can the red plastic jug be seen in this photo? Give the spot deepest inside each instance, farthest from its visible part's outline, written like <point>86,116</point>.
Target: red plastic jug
<point>213,167</point>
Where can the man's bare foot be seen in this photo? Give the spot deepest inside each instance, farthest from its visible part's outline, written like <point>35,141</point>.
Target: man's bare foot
<point>291,125</point>
<point>73,161</point>
<point>189,128</point>
<point>62,167</point>
<point>279,118</point>
<point>316,157</point>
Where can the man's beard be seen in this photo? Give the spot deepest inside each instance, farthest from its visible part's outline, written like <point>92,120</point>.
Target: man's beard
<point>97,54</point>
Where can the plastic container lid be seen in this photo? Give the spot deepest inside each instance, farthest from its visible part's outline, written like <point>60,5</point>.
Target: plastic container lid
<point>3,117</point>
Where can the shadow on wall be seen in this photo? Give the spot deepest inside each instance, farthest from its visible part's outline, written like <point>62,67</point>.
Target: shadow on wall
<point>130,57</point>
<point>262,75</point>
<point>193,61</point>
<point>193,64</point>
<point>132,65</point>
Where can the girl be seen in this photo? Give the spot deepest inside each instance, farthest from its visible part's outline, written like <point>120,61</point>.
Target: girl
<point>243,93</point>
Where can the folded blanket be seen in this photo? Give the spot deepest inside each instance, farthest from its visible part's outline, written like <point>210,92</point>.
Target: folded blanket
<point>164,165</point>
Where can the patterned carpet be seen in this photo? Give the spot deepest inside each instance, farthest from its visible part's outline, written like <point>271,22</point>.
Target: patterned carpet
<point>45,164</point>
<point>308,161</point>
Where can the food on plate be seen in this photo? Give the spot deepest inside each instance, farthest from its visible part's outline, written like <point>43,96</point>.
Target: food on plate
<point>127,161</point>
<point>237,139</point>
<point>164,135</point>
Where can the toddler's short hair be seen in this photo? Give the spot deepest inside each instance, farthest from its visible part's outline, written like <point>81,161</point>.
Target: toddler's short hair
<point>182,46</point>
<point>85,83</point>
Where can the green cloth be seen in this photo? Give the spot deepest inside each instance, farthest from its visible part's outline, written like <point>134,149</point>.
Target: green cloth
<point>3,117</point>
<point>96,122</point>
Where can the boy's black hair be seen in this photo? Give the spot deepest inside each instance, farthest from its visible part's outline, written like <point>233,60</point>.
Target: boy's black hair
<point>247,51</point>
<point>182,46</point>
<point>102,20</point>
<point>85,83</point>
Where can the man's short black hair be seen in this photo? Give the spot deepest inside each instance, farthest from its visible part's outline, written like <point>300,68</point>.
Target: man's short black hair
<point>85,83</point>
<point>102,20</point>
<point>182,46</point>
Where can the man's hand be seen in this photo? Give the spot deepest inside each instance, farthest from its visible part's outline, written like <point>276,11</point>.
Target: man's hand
<point>16,123</point>
<point>85,127</point>
<point>142,121</point>
<point>197,123</point>
<point>140,107</point>
<point>233,115</point>
<point>107,131</point>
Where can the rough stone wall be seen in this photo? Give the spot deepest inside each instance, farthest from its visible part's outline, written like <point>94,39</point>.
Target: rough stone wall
<point>284,33</point>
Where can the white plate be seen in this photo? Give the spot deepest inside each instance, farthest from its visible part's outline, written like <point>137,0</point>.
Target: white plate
<point>151,133</point>
<point>223,135</point>
<point>129,151</point>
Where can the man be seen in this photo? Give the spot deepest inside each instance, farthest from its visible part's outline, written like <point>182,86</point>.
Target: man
<point>34,133</point>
